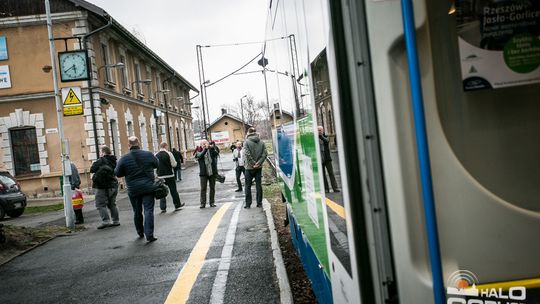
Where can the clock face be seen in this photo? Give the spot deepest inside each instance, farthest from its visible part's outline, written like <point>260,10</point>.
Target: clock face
<point>73,65</point>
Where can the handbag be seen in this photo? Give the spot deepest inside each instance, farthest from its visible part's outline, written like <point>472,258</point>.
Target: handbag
<point>160,188</point>
<point>220,177</point>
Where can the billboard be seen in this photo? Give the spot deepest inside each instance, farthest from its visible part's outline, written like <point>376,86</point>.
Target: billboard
<point>220,137</point>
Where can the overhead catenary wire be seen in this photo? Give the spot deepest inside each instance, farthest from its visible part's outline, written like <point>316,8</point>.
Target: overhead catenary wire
<point>235,71</point>
<point>242,43</point>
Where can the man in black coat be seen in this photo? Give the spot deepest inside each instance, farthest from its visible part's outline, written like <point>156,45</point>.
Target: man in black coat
<point>326,159</point>
<point>179,160</point>
<point>166,167</point>
<point>138,168</point>
<point>106,186</point>
<point>207,158</point>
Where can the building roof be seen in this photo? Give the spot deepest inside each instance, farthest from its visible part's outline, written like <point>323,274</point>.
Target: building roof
<point>282,111</point>
<point>229,116</point>
<point>130,37</point>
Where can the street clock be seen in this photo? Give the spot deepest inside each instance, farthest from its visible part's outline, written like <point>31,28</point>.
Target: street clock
<point>73,65</point>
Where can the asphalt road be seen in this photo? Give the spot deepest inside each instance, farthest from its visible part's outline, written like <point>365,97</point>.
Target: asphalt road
<point>114,266</point>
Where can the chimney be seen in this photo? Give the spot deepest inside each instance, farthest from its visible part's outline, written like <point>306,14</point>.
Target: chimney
<point>223,111</point>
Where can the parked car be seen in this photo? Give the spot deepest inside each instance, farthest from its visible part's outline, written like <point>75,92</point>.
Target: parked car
<point>12,199</point>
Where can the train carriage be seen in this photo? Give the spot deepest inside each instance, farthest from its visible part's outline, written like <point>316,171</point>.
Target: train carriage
<point>431,113</point>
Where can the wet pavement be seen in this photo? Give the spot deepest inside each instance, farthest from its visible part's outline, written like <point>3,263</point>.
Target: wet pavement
<point>114,266</point>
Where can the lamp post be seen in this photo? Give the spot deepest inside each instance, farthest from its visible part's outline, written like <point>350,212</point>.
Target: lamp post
<point>242,115</point>
<point>205,109</point>
<point>144,81</point>
<point>118,65</point>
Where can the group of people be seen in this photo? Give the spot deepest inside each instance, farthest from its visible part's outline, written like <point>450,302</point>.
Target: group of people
<point>249,161</point>
<point>138,166</point>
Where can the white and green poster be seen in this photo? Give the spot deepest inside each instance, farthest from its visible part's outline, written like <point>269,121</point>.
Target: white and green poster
<point>499,42</point>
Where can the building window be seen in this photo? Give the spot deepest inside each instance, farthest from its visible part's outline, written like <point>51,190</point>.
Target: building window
<point>25,151</point>
<point>149,76</point>
<point>124,73</point>
<point>138,78</point>
<point>130,130</point>
<point>106,61</point>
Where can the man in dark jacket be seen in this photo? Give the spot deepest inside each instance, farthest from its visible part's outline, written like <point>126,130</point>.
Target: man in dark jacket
<point>326,160</point>
<point>255,155</point>
<point>165,170</point>
<point>106,186</point>
<point>179,160</point>
<point>207,158</point>
<point>138,168</point>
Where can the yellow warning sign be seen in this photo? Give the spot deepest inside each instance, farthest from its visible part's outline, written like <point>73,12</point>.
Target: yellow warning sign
<point>71,98</point>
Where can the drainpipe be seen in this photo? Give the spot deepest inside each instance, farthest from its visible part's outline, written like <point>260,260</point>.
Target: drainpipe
<point>89,83</point>
<point>167,111</point>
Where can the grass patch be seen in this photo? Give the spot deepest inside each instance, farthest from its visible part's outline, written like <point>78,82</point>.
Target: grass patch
<point>48,208</point>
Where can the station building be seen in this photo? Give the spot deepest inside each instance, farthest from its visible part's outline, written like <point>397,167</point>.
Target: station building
<point>131,91</point>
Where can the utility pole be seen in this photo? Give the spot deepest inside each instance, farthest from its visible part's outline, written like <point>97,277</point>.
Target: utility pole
<point>203,88</point>
<point>66,165</point>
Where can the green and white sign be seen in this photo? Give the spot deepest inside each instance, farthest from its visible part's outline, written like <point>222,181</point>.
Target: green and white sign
<point>499,42</point>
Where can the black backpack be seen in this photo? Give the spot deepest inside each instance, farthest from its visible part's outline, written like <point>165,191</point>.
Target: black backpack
<point>104,176</point>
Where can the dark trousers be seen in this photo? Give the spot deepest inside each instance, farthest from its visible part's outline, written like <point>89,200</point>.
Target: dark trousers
<point>171,183</point>
<point>239,171</point>
<point>178,172</point>
<point>250,174</point>
<point>138,203</point>
<point>204,181</point>
<point>327,165</point>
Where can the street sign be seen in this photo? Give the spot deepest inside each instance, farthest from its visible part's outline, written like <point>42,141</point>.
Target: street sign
<point>71,99</point>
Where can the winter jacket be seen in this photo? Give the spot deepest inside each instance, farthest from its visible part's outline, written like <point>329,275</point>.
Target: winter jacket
<point>112,182</point>
<point>325,148</point>
<point>138,181</point>
<point>207,159</point>
<point>166,164</point>
<point>74,178</point>
<point>178,157</point>
<point>238,157</point>
<point>254,152</point>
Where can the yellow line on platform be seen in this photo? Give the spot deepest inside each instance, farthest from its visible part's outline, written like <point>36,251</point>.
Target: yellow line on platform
<point>338,209</point>
<point>527,283</point>
<point>188,275</point>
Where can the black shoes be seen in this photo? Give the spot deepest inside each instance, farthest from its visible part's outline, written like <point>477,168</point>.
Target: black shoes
<point>212,205</point>
<point>202,206</point>
<point>247,206</point>
<point>151,239</point>
<point>104,225</point>
<point>259,205</point>
<point>141,235</point>
<point>114,224</point>
<point>238,190</point>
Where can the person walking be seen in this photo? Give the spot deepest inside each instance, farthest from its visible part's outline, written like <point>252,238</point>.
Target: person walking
<point>254,157</point>
<point>76,197</point>
<point>179,160</point>
<point>137,166</point>
<point>106,186</point>
<point>207,158</point>
<point>238,158</point>
<point>326,159</point>
<point>167,164</point>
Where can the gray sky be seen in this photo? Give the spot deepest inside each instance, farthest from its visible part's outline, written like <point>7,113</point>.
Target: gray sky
<point>172,29</point>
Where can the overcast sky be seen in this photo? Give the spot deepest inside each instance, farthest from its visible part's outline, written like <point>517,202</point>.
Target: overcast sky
<point>173,28</point>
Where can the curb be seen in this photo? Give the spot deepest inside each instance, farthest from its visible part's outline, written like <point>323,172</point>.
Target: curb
<point>285,294</point>
<point>28,249</point>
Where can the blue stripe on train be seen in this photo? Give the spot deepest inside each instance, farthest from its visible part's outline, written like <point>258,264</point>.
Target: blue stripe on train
<point>319,281</point>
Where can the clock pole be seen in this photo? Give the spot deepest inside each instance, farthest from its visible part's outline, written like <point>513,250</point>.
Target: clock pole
<point>66,164</point>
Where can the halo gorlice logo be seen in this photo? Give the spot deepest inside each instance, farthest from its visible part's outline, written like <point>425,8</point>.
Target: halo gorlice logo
<point>462,288</point>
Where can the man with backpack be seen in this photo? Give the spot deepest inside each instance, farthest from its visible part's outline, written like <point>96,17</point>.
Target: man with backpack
<point>106,186</point>
<point>165,170</point>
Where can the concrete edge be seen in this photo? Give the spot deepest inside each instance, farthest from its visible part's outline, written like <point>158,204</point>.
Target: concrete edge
<point>28,250</point>
<point>285,294</point>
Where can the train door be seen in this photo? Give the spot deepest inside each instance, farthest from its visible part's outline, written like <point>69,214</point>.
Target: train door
<point>365,265</point>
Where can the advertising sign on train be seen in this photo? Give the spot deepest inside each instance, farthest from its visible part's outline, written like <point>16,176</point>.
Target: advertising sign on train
<point>499,43</point>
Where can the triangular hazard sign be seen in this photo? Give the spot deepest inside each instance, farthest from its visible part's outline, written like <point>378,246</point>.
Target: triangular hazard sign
<point>473,69</point>
<point>71,98</point>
